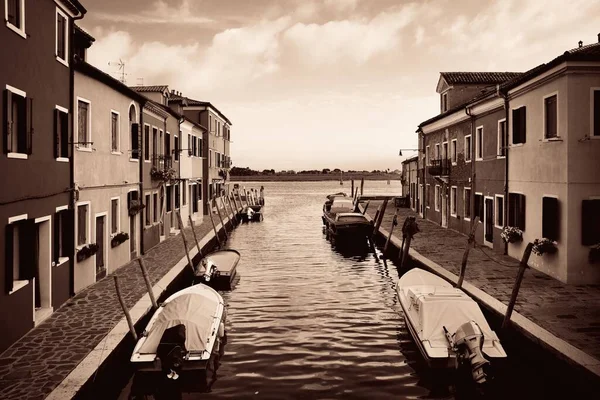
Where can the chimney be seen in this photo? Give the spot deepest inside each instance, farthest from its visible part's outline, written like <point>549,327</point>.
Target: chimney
<point>580,43</point>
<point>599,38</point>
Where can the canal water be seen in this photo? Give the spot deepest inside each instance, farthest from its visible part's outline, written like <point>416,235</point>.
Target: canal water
<point>308,320</point>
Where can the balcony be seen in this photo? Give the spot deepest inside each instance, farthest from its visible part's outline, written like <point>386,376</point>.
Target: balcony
<point>162,169</point>
<point>162,162</point>
<point>439,167</point>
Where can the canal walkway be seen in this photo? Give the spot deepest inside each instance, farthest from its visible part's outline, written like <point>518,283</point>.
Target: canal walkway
<point>563,318</point>
<point>36,365</point>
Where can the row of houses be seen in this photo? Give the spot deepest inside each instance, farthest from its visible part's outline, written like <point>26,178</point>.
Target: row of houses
<point>518,150</point>
<point>94,171</point>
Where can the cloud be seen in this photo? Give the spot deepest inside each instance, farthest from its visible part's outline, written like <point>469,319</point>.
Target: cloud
<point>161,13</point>
<point>341,5</point>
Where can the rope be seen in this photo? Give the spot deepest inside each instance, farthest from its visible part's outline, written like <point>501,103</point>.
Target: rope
<point>480,248</point>
<point>100,360</point>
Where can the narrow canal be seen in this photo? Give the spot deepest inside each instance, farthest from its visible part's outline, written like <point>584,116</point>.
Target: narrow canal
<point>309,321</point>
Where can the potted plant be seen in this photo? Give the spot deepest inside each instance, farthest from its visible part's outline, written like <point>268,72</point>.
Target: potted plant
<point>543,246</point>
<point>594,256</point>
<point>119,238</point>
<point>165,175</point>
<point>87,251</point>
<point>511,234</point>
<point>135,207</point>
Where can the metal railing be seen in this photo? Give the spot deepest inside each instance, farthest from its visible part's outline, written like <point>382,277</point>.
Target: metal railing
<point>439,167</point>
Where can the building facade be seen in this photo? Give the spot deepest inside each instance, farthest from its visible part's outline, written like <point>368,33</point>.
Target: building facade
<point>191,173</point>
<point>37,211</point>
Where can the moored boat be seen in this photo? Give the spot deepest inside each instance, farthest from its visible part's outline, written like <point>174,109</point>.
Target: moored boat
<point>182,334</point>
<point>251,213</point>
<point>336,203</point>
<point>447,325</point>
<point>350,225</point>
<point>217,269</point>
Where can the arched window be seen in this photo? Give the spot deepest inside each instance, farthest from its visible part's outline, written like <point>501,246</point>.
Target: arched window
<point>134,128</point>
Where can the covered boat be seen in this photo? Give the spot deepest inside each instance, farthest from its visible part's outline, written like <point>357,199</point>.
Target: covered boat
<point>217,269</point>
<point>350,225</point>
<point>446,324</point>
<point>336,204</point>
<point>183,333</point>
<point>251,213</point>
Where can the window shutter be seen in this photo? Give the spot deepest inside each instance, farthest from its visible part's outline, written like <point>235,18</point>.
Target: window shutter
<point>29,126</point>
<point>135,132</point>
<point>68,232</point>
<point>8,257</point>
<point>56,237</point>
<point>523,124</point>
<point>590,222</point>
<point>521,199</point>
<point>57,132</point>
<point>28,249</point>
<point>550,218</point>
<point>596,112</point>
<point>7,124</point>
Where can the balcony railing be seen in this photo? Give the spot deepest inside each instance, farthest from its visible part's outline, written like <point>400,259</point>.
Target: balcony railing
<point>162,162</point>
<point>439,167</point>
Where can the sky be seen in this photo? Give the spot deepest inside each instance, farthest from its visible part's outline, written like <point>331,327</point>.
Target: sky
<point>314,84</point>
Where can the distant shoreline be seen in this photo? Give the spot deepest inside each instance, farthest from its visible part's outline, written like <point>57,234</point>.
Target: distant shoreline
<point>314,177</point>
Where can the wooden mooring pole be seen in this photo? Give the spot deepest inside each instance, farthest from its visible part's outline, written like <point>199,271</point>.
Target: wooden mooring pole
<point>380,219</point>
<point>125,310</point>
<point>362,185</point>
<point>222,223</point>
<point>232,217</point>
<point>185,246</point>
<point>210,213</point>
<point>148,285</point>
<point>409,229</point>
<point>387,242</point>
<point>366,206</point>
<point>470,243</point>
<point>195,237</point>
<point>352,188</point>
<point>513,298</point>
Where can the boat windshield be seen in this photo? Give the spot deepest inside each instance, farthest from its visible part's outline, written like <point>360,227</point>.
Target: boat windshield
<point>351,218</point>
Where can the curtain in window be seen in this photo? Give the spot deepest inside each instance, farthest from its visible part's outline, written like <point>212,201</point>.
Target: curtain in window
<point>82,123</point>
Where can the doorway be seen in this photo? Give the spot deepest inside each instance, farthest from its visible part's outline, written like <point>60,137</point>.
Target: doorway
<point>42,249</point>
<point>488,222</point>
<point>101,242</point>
<point>444,209</point>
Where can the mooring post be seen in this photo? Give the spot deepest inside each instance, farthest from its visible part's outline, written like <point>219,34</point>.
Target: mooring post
<point>376,217</point>
<point>513,298</point>
<point>232,218</point>
<point>125,310</point>
<point>352,188</point>
<point>387,242</point>
<point>235,203</point>
<point>185,246</point>
<point>210,212</point>
<point>381,214</point>
<point>409,229</point>
<point>246,197</point>
<point>222,223</point>
<point>470,242</point>
<point>195,237</point>
<point>366,206</point>
<point>148,285</point>
<point>362,185</point>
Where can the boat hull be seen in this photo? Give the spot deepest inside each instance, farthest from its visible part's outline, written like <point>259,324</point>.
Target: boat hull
<point>226,262</point>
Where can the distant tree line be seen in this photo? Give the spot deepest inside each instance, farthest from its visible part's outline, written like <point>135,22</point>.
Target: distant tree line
<point>246,171</point>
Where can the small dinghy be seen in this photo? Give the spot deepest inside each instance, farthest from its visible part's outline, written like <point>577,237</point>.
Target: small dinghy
<point>183,333</point>
<point>447,325</point>
<point>217,269</point>
<point>251,213</point>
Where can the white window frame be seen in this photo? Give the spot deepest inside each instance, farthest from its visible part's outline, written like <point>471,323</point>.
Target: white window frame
<point>88,227</point>
<point>445,102</point>
<point>592,90</point>
<point>18,92</point>
<point>19,31</point>
<point>510,128</point>
<point>558,137</point>
<point>454,152</point>
<point>453,200</point>
<point>64,110</point>
<point>483,200</point>
<point>436,194</point>
<point>468,148</point>
<point>61,260</point>
<point>155,211</point>
<point>210,152</point>
<point>118,152</point>
<point>499,143</point>
<point>65,61</point>
<point>496,197</point>
<point>88,146</point>
<point>478,157</point>
<point>465,203</point>
<point>118,198</point>
<point>17,284</point>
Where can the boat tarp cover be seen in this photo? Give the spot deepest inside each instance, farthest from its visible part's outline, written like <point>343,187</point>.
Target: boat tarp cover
<point>224,260</point>
<point>195,311</point>
<point>341,204</point>
<point>451,313</point>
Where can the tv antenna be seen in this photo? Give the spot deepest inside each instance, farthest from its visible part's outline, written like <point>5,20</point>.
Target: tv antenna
<point>120,70</point>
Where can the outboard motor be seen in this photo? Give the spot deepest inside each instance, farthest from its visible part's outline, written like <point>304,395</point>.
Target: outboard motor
<point>172,351</point>
<point>468,342</point>
<point>210,269</point>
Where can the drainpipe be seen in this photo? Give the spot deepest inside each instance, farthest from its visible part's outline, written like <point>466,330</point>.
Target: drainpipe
<point>141,165</point>
<point>473,175</point>
<point>422,149</point>
<point>505,205</point>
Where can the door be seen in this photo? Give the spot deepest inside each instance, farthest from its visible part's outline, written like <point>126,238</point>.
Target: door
<point>100,235</point>
<point>444,209</point>
<point>132,235</point>
<point>488,216</point>
<point>41,254</point>
<point>420,200</point>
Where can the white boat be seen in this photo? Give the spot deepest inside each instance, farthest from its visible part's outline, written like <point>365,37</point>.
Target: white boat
<point>447,325</point>
<point>183,333</point>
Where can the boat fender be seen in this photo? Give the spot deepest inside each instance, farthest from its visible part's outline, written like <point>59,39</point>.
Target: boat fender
<point>221,329</point>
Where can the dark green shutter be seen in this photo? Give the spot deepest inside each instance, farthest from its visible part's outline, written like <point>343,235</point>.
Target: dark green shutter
<point>29,125</point>
<point>7,123</point>
<point>57,132</point>
<point>68,232</point>
<point>28,249</point>
<point>590,222</point>
<point>521,208</point>
<point>135,145</point>
<point>523,124</point>
<point>8,257</point>
<point>550,218</point>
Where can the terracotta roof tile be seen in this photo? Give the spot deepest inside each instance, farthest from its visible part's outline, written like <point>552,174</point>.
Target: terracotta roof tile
<point>156,88</point>
<point>473,78</point>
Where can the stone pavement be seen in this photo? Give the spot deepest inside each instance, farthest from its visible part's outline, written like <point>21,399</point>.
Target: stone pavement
<point>570,312</point>
<point>33,366</point>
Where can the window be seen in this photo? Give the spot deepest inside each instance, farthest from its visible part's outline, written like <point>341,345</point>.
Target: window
<point>499,211</point>
<point>194,198</point>
<point>15,16</point>
<point>427,195</point>
<point>154,141</point>
<point>210,124</point>
<point>199,186</point>
<point>445,151</point>
<point>437,197</point>
<point>177,189</point>
<point>501,138</point>
<point>427,156</point>
<point>210,158</point>
<point>169,198</point>
<point>467,203</point>
<point>516,210</point>
<point>437,151</point>
<point>62,37</point>
<point>82,224</point>
<point>590,222</point>
<point>148,210</point>
<point>453,151</point>
<point>468,148</point>
<point>444,102</point>
<point>155,207</point>
<point>200,147</point>
<point>184,192</point>
<point>63,233</point>
<point>190,145</point>
<point>114,131</point>
<point>21,261</point>
<point>479,143</point>
<point>596,113</point>
<point>135,131</point>
<point>114,215</point>
<point>478,203</point>
<point>550,117</point>
<point>453,201</point>
<point>176,148</point>
<point>168,144</point>
<point>550,218</point>
<point>519,125</point>
<point>61,133</point>
<point>146,143</point>
<point>83,124</point>
<point>18,129</point>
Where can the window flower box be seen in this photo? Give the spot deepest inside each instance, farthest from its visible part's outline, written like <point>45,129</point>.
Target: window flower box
<point>119,238</point>
<point>135,207</point>
<point>87,251</point>
<point>594,256</point>
<point>511,234</point>
<point>164,175</point>
<point>544,246</point>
